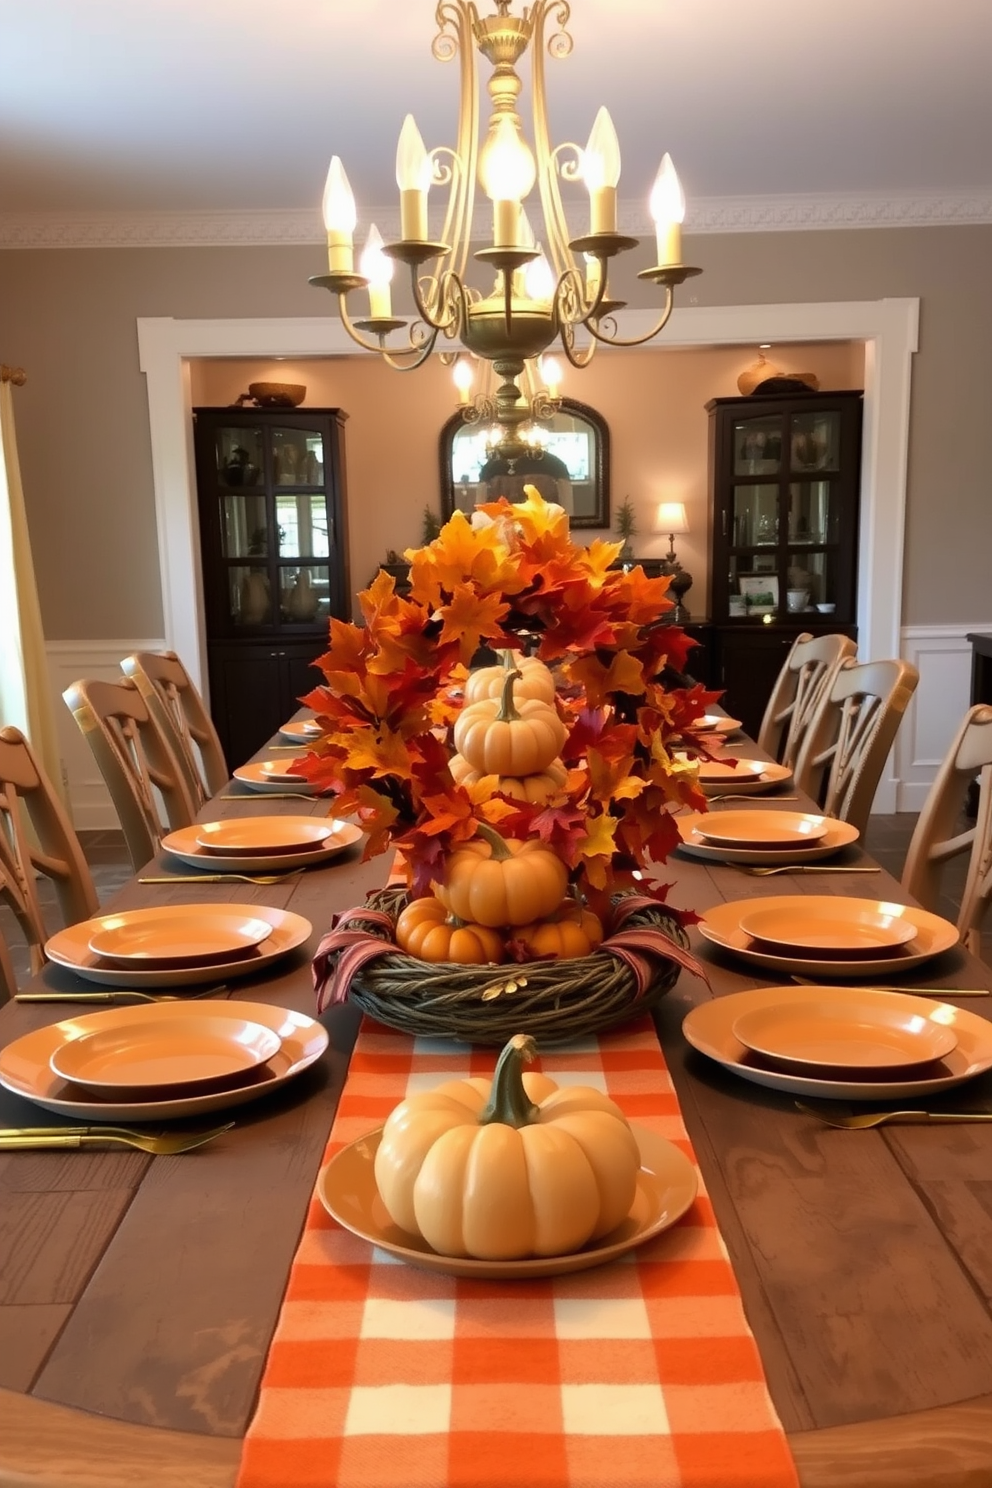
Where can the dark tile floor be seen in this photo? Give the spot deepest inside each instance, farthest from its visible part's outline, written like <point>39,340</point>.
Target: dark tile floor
<point>887,839</point>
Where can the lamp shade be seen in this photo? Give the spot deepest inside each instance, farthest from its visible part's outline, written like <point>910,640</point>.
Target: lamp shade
<point>671,517</point>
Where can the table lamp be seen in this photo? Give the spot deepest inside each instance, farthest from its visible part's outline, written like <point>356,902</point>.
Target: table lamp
<point>671,519</point>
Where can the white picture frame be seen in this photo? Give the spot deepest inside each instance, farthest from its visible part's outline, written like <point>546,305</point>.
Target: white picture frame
<point>760,593</point>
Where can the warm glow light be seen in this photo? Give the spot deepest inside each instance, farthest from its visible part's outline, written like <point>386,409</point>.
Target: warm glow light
<point>601,172</point>
<point>601,157</point>
<point>340,212</point>
<point>671,517</point>
<point>413,164</point>
<point>464,376</point>
<point>667,205</point>
<point>507,170</point>
<point>539,279</point>
<point>413,176</point>
<point>551,371</point>
<point>378,270</point>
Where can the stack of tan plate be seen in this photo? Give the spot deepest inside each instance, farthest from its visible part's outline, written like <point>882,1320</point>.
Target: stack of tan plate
<point>261,843</point>
<point>844,1043</point>
<point>767,838</point>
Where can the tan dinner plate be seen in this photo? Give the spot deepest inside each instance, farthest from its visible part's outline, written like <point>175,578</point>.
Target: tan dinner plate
<point>183,845</point>
<point>762,828</point>
<point>875,1031</point>
<point>269,835</point>
<point>770,777</point>
<point>71,948</point>
<point>170,1047</point>
<point>303,731</point>
<point>826,926</point>
<point>273,775</point>
<point>170,933</point>
<point>666,1186</point>
<point>25,1065</point>
<point>838,834</point>
<point>716,723</point>
<point>710,1029</point>
<point>719,772</point>
<point>721,926</point>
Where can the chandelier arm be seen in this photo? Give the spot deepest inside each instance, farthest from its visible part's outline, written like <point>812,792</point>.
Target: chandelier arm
<point>547,157</point>
<point>637,340</point>
<point>449,295</point>
<point>576,359</point>
<point>461,198</point>
<point>417,354</point>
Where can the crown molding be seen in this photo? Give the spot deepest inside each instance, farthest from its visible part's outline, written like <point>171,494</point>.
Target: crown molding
<point>301,227</point>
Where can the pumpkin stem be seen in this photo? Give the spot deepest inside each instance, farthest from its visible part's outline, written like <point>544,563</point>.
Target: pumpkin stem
<point>497,844</point>
<point>506,657</point>
<point>509,1103</point>
<point>507,712</point>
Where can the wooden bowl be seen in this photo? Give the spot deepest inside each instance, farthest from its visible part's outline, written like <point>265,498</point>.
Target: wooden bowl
<point>277,394</point>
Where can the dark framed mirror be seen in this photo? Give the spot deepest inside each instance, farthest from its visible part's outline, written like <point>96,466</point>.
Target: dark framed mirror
<point>573,469</point>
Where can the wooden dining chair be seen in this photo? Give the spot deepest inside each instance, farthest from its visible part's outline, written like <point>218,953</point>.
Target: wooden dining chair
<point>182,716</point>
<point>806,675</point>
<point>135,759</point>
<point>941,832</point>
<point>848,740</point>
<point>36,836</point>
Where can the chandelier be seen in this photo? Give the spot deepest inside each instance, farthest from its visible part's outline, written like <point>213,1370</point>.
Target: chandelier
<point>545,287</point>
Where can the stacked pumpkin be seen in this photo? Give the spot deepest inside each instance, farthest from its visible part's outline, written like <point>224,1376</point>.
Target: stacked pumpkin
<point>496,888</point>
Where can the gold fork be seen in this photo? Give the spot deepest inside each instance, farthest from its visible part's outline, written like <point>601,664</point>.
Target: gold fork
<point>252,878</point>
<point>863,1120</point>
<point>124,994</point>
<point>24,1137</point>
<point>802,868</point>
<point>747,796</point>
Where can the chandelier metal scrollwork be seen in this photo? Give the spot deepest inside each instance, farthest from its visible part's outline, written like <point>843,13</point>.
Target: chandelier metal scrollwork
<point>545,289</point>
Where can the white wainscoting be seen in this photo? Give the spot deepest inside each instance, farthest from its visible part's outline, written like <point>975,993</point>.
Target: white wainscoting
<point>69,661</point>
<point>942,656</point>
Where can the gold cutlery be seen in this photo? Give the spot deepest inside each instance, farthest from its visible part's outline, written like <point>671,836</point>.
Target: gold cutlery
<point>263,796</point>
<point>803,868</point>
<point>863,1120</point>
<point>124,994</point>
<point>743,796</point>
<point>252,878</point>
<point>939,992</point>
<point>36,1137</point>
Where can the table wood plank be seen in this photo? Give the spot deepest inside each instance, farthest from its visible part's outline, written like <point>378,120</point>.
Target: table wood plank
<point>862,1257</point>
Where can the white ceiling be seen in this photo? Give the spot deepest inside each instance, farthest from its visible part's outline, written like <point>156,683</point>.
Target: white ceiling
<point>236,105</point>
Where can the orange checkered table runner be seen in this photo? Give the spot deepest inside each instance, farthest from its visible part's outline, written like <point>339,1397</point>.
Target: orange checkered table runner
<point>638,1374</point>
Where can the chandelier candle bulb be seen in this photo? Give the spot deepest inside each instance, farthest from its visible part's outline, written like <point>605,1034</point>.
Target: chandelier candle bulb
<point>506,221</point>
<point>463,376</point>
<point>551,371</point>
<point>668,211</point>
<point>601,172</point>
<point>378,270</point>
<point>594,275</point>
<point>413,177</point>
<point>340,218</point>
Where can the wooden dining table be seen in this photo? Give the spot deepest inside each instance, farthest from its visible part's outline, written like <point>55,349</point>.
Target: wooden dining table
<point>138,1294</point>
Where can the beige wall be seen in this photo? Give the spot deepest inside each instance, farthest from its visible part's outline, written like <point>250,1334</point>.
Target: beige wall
<point>68,316</point>
<point>653,402</point>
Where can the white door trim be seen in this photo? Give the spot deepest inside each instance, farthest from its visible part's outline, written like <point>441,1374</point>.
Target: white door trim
<point>889,328</point>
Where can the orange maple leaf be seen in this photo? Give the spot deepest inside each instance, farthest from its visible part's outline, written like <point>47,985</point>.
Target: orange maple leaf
<point>469,618</point>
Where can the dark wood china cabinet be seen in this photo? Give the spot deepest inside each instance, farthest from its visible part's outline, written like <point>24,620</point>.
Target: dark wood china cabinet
<point>784,481</point>
<point>274,551</point>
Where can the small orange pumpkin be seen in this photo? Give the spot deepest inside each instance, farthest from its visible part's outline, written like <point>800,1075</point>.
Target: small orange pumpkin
<point>498,881</point>
<point>499,738</point>
<point>533,788</point>
<point>536,680</point>
<point>426,930</point>
<point>571,931</point>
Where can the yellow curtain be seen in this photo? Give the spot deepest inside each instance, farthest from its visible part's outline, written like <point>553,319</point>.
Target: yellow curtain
<point>25,690</point>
